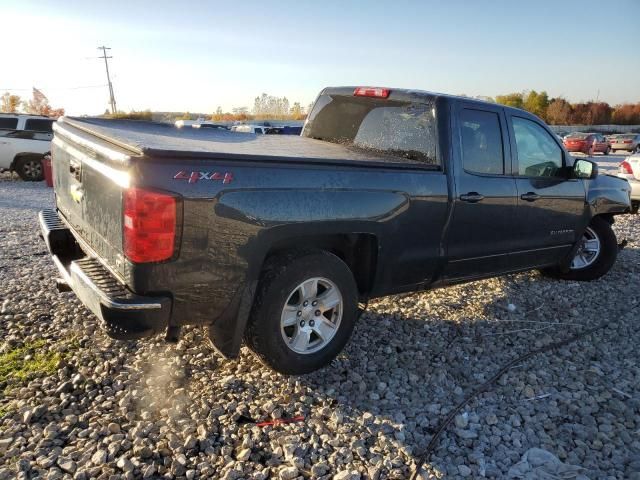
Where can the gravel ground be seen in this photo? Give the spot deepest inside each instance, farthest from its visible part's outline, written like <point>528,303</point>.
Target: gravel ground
<point>85,406</point>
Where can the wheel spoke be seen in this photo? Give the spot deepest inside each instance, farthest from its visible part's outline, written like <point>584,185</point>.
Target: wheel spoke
<point>591,245</point>
<point>324,328</point>
<point>300,341</point>
<point>330,299</point>
<point>309,288</point>
<point>289,316</point>
<point>577,261</point>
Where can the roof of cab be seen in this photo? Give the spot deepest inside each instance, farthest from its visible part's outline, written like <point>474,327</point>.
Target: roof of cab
<point>405,94</point>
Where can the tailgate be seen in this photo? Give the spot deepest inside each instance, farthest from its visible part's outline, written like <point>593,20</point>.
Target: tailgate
<point>89,176</point>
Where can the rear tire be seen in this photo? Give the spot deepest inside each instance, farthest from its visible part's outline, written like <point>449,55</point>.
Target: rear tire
<point>30,169</point>
<point>286,330</point>
<point>587,269</point>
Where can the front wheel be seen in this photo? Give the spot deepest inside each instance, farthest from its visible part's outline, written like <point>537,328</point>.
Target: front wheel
<point>304,312</point>
<point>596,254</point>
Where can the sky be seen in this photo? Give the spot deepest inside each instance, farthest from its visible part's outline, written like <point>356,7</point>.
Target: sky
<point>197,55</point>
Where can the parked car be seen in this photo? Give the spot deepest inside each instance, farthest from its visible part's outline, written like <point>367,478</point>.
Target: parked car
<point>587,143</point>
<point>257,129</point>
<point>275,241</point>
<point>629,169</point>
<point>24,139</point>
<point>626,141</point>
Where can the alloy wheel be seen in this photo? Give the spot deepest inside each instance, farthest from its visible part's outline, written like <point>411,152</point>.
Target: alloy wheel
<point>588,251</point>
<point>311,315</point>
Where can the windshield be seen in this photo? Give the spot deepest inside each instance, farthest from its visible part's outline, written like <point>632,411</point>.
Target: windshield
<point>380,126</point>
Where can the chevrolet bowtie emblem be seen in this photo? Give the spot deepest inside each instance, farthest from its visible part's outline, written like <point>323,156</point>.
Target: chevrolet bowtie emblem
<point>76,193</point>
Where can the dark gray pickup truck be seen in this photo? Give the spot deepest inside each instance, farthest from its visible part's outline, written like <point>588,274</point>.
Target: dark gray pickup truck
<point>275,240</point>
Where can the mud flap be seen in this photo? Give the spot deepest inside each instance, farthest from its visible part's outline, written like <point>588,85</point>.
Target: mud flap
<point>226,332</point>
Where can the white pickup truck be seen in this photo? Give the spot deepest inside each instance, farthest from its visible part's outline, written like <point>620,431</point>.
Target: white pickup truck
<point>24,139</point>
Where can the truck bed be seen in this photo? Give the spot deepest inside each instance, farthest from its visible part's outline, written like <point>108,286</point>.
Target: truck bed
<point>153,139</point>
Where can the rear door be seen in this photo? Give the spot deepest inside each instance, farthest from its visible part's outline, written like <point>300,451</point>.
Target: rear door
<point>481,233</point>
<point>551,208</point>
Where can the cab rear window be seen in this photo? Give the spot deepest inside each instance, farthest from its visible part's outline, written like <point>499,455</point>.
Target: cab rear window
<point>379,126</point>
<point>39,125</point>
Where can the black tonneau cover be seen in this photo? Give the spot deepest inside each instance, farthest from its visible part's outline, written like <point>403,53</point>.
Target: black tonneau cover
<point>153,139</point>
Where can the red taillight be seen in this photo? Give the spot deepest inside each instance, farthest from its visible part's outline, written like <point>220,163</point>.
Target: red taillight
<point>149,221</point>
<point>371,92</point>
<point>627,141</point>
<point>625,167</point>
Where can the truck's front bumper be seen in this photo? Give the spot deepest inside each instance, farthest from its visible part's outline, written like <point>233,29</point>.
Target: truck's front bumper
<point>125,314</point>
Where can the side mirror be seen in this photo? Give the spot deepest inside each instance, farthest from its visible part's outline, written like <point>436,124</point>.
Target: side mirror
<point>585,169</point>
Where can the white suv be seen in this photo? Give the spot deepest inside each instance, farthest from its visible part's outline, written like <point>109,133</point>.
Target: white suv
<point>24,139</point>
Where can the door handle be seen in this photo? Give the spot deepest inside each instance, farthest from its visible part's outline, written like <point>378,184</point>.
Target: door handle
<point>530,196</point>
<point>471,197</point>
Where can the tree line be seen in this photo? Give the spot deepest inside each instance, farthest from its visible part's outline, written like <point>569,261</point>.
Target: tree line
<point>265,107</point>
<point>38,104</point>
<point>558,111</point>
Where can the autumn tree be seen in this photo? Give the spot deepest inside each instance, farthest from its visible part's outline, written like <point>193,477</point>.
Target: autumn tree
<point>268,106</point>
<point>626,114</point>
<point>511,100</point>
<point>39,105</point>
<point>559,112</point>
<point>9,103</point>
<point>600,113</point>
<point>536,103</point>
<point>297,113</point>
<point>217,116</point>
<point>581,114</point>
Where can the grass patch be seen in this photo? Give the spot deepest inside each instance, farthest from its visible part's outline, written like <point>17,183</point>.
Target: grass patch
<point>27,361</point>
<point>4,410</point>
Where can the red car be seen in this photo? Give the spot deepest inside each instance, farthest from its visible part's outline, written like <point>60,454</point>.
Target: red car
<point>587,143</point>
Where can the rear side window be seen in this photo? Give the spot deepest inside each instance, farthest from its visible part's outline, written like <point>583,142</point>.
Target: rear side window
<point>482,150</point>
<point>8,123</point>
<point>39,125</point>
<point>381,126</point>
<point>538,154</point>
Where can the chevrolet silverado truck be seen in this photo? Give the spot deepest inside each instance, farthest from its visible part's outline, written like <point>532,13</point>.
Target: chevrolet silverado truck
<point>24,140</point>
<point>275,240</point>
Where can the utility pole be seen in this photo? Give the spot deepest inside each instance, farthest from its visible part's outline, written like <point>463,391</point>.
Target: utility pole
<point>112,97</point>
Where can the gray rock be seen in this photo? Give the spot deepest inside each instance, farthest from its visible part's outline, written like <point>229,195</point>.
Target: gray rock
<point>5,443</point>
<point>67,465</point>
<point>243,455</point>
<point>464,470</point>
<point>113,428</point>
<point>100,457</point>
<point>346,475</point>
<point>288,473</point>
<point>125,464</point>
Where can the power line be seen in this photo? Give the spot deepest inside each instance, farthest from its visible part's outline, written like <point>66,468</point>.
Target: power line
<point>106,65</point>
<point>53,88</point>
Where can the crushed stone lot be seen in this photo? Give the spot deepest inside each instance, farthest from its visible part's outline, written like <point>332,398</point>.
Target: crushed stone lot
<point>76,404</point>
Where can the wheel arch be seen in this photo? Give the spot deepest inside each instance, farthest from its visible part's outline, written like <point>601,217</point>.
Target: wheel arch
<point>358,250</point>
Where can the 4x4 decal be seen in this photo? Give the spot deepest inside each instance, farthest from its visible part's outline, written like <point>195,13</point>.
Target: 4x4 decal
<point>193,177</point>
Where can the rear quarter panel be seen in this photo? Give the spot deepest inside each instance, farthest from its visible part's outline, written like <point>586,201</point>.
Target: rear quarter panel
<point>229,229</point>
